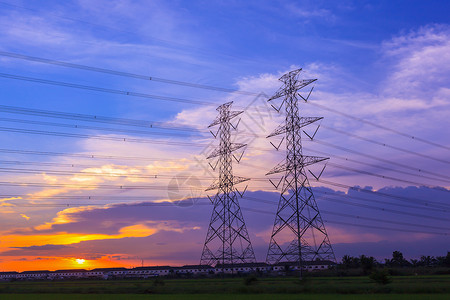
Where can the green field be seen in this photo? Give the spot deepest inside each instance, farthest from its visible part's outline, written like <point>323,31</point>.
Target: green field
<point>227,297</point>
<point>234,288</point>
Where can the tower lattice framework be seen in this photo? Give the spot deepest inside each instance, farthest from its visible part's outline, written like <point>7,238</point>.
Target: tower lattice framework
<point>227,240</point>
<point>298,233</point>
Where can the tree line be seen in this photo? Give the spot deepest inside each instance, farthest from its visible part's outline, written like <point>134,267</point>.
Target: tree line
<point>369,263</point>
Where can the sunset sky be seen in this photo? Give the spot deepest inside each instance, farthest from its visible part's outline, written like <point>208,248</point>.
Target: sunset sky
<point>100,166</point>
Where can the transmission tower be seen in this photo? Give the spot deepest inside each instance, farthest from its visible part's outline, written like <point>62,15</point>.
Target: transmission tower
<point>298,232</point>
<point>227,240</point>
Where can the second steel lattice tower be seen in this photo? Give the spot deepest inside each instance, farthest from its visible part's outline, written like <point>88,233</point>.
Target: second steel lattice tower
<point>298,233</point>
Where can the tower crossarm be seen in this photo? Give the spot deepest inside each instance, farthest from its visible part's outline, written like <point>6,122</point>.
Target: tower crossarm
<point>303,122</point>
<point>302,162</point>
<point>236,180</point>
<point>224,119</point>
<point>302,83</point>
<point>222,151</point>
<point>278,94</point>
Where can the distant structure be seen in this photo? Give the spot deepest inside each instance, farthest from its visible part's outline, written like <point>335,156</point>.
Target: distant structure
<point>298,234</point>
<point>146,272</point>
<point>227,240</point>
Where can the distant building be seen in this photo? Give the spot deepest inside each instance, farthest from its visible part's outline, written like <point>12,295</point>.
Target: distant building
<point>242,268</point>
<point>153,271</point>
<point>315,265</point>
<point>194,270</point>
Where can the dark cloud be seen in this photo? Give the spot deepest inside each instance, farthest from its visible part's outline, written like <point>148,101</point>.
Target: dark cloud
<point>45,247</point>
<point>358,224</point>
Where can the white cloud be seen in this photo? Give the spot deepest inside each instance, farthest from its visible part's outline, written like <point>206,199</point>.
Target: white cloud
<point>420,64</point>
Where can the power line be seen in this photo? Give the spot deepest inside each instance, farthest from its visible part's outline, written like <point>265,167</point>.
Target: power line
<point>374,193</point>
<point>398,212</point>
<point>377,125</point>
<point>95,118</point>
<point>351,197</point>
<point>170,204</point>
<point>124,74</point>
<point>109,138</point>
<point>375,166</point>
<point>383,220</point>
<point>386,228</point>
<point>387,195</point>
<point>386,145</point>
<point>379,159</point>
<point>53,124</point>
<point>63,165</point>
<point>65,64</point>
<point>357,217</point>
<point>90,186</point>
<point>106,90</point>
<point>98,137</point>
<point>79,155</point>
<point>100,119</point>
<point>165,134</point>
<point>87,173</point>
<point>381,176</point>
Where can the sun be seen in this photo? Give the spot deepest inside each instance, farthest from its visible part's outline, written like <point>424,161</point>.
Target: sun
<point>80,261</point>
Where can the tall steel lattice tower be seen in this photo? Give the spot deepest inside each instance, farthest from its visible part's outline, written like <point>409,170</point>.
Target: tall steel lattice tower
<point>227,240</point>
<point>298,232</point>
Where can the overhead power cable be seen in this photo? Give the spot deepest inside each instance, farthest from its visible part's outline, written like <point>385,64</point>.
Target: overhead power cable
<point>244,208</point>
<point>100,119</point>
<point>100,137</point>
<point>352,216</point>
<point>108,138</point>
<point>82,155</point>
<point>355,216</point>
<point>92,186</point>
<point>386,195</point>
<point>115,130</point>
<point>170,81</point>
<point>402,205</point>
<point>385,228</point>
<point>96,118</point>
<point>384,220</point>
<point>373,193</point>
<point>380,159</point>
<point>386,145</point>
<point>332,156</point>
<point>123,74</point>
<point>377,125</point>
<point>171,204</point>
<point>106,90</point>
<point>359,225</point>
<point>70,165</point>
<point>390,210</point>
<point>381,176</point>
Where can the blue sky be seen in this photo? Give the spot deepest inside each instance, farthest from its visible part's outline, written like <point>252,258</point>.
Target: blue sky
<point>385,62</point>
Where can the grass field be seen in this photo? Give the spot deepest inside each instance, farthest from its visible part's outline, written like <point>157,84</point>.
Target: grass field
<point>227,297</point>
<point>439,285</point>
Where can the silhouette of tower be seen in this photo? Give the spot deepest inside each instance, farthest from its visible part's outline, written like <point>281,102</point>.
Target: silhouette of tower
<point>227,240</point>
<point>298,231</point>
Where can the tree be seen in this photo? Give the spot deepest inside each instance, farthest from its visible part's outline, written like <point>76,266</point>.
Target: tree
<point>447,260</point>
<point>350,262</point>
<point>443,261</point>
<point>397,260</point>
<point>367,263</point>
<point>380,276</point>
<point>428,261</point>
<point>414,262</point>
